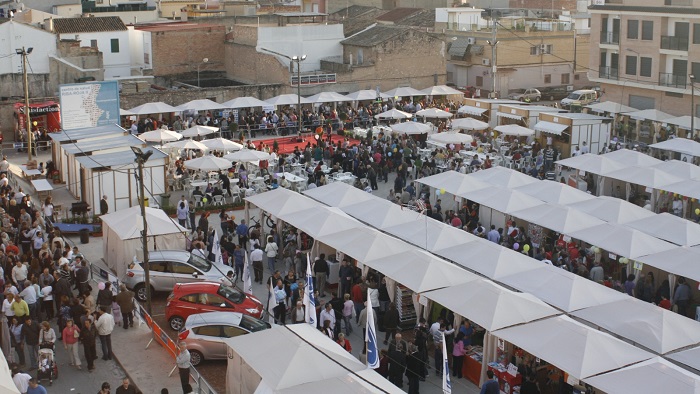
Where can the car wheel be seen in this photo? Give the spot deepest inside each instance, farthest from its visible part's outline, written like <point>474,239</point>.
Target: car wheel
<point>176,323</point>
<point>140,291</point>
<point>522,99</point>
<point>538,98</point>
<point>196,357</point>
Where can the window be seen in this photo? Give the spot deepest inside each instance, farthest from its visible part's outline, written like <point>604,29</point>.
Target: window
<point>647,30</point>
<point>360,57</point>
<point>695,70</point>
<point>211,299</point>
<point>633,29</point>
<point>645,67</point>
<point>547,78</point>
<point>549,49</point>
<point>210,331</point>
<point>565,79</point>
<point>146,58</point>
<point>115,45</point>
<point>192,298</point>
<point>93,43</point>
<point>696,33</point>
<point>180,268</point>
<point>479,81</point>
<point>631,65</point>
<point>230,331</point>
<point>533,50</point>
<point>577,77</point>
<point>158,266</point>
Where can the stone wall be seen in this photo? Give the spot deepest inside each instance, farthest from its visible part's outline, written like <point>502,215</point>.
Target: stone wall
<point>181,51</point>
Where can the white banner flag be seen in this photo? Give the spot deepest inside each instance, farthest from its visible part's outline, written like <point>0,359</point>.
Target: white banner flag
<point>446,383</point>
<point>371,338</point>
<point>309,300</point>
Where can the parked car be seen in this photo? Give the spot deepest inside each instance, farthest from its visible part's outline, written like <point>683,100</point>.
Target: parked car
<point>191,298</point>
<point>168,267</point>
<point>530,94</point>
<point>579,98</point>
<point>555,93</point>
<point>204,333</point>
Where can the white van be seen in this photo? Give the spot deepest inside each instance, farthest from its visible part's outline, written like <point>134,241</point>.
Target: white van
<point>579,97</point>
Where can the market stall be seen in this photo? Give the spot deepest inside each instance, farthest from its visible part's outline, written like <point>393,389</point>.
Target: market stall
<point>567,131</point>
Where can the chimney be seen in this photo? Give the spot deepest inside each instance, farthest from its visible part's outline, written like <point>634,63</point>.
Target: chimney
<point>48,26</point>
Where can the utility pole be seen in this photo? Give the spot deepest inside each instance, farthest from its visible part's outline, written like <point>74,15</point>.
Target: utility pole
<point>141,158</point>
<point>24,54</point>
<point>493,42</point>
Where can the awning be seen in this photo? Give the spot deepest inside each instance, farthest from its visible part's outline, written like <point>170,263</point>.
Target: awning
<point>550,127</point>
<point>469,110</point>
<point>509,116</point>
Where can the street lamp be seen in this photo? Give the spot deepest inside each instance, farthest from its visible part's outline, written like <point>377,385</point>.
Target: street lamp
<point>141,158</point>
<point>692,105</point>
<point>22,52</point>
<point>297,60</point>
<point>204,61</point>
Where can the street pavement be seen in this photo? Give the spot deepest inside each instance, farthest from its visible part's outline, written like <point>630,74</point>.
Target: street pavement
<point>149,368</point>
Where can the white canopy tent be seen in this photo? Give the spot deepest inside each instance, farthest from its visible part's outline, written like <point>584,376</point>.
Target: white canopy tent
<point>685,146</point>
<point>471,110</point>
<point>201,105</point>
<point>122,235</point>
<point>577,349</point>
<point>287,99</point>
<point>222,144</point>
<point>451,138</point>
<point>680,261</point>
<point>503,177</point>
<point>123,112</point>
<point>689,357</point>
<point>657,329</point>
<point>622,240</point>
<point>367,94</point>
<point>687,188</point>
<point>297,349</point>
<point>153,108</point>
<point>684,122</point>
<point>247,155</point>
<point>613,210</point>
<point>670,228</point>
<point>328,97</point>
<point>434,113</point>
<point>160,136</point>
<point>441,90</point>
<point>198,131</point>
<point>411,128</point>
<point>630,158</point>
<point>589,162</point>
<point>393,114</point>
<point>648,114</point>
<point>469,124</point>
<point>244,102</point>
<point>6,383</point>
<point>514,129</point>
<point>491,306</point>
<point>652,376</point>
<point>610,107</point>
<point>454,182</point>
<point>560,288</point>
<point>645,176</point>
<point>559,218</point>
<point>486,258</point>
<point>404,92</point>
<point>679,168</point>
<point>502,199</point>
<point>208,163</point>
<point>554,192</point>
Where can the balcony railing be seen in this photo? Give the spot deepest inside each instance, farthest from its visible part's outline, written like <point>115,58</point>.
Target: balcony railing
<point>674,43</point>
<point>607,37</point>
<point>608,73</point>
<point>673,80</point>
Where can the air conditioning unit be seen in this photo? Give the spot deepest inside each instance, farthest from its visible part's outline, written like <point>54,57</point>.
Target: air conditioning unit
<point>485,62</point>
<point>543,48</point>
<point>471,40</point>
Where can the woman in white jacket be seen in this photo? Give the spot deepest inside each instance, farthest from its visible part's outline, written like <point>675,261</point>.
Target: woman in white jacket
<point>271,253</point>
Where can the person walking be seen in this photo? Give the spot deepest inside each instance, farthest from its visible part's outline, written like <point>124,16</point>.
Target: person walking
<point>105,297</point>
<point>30,337</point>
<point>256,256</point>
<point>126,387</point>
<point>271,253</point>
<point>87,338</point>
<point>458,353</point>
<point>35,387</point>
<point>322,270</point>
<point>125,300</point>
<point>105,326</point>
<point>71,336</point>
<point>414,369</point>
<point>192,211</point>
<point>391,322</point>
<point>182,213</point>
<point>183,365</point>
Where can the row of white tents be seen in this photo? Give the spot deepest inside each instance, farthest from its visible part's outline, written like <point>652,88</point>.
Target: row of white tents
<point>289,99</point>
<point>580,350</point>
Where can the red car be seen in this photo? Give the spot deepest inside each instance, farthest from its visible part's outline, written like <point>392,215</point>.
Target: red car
<point>198,297</point>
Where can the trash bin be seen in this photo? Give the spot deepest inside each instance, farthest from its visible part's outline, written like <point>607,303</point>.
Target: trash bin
<point>84,236</point>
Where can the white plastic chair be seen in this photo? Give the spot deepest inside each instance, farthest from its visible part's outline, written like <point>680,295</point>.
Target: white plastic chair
<point>198,201</point>
<point>217,200</point>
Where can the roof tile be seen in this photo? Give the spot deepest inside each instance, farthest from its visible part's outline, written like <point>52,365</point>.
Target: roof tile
<point>88,24</point>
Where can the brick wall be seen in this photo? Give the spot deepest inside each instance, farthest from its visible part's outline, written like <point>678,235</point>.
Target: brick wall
<point>245,64</point>
<point>180,51</point>
<point>558,5</point>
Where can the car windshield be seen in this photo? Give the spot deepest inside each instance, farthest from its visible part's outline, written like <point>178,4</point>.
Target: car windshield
<point>574,96</point>
<point>252,324</point>
<point>199,263</point>
<point>519,91</point>
<point>232,294</point>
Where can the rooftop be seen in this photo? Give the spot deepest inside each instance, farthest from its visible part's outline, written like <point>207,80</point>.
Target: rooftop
<point>374,35</point>
<point>423,18</point>
<point>398,14</point>
<point>88,25</point>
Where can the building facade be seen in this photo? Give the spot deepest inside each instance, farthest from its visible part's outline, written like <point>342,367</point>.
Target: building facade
<point>644,51</point>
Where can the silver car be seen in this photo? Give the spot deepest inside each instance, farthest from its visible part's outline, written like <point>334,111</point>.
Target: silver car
<point>530,94</point>
<point>168,267</point>
<point>204,333</point>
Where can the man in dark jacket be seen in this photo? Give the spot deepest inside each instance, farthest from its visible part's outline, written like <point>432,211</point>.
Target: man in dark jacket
<point>397,360</point>
<point>391,322</point>
<point>322,271</point>
<point>61,288</point>
<point>414,369</point>
<point>337,303</point>
<point>30,337</point>
<point>125,299</point>
<point>346,273</point>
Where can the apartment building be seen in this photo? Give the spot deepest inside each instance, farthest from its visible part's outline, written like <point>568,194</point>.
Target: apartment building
<point>643,53</point>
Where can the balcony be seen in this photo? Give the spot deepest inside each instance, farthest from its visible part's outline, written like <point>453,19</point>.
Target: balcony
<point>607,37</point>
<point>673,80</point>
<point>674,43</point>
<point>608,73</point>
